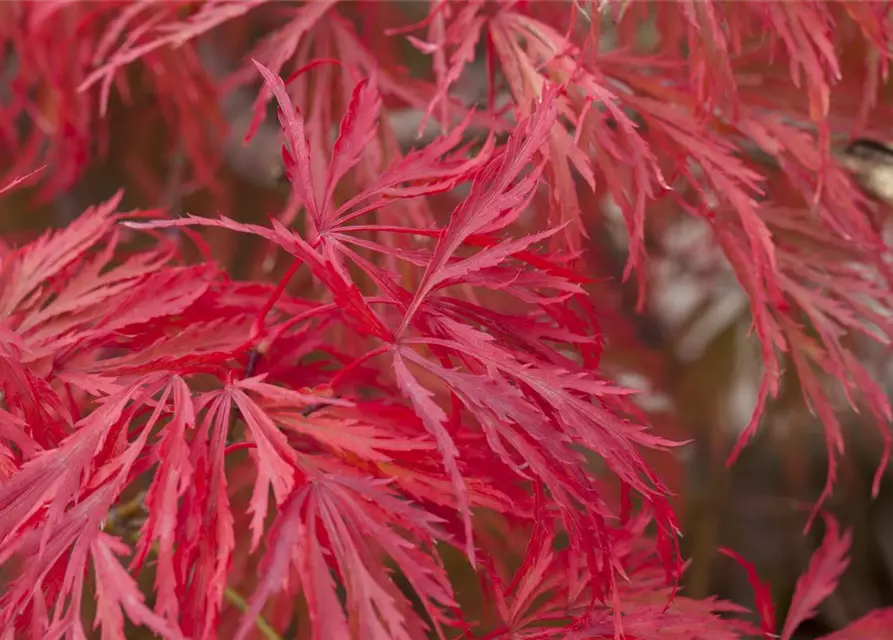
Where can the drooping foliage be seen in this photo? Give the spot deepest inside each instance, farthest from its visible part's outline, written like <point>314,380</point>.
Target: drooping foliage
<point>409,385</point>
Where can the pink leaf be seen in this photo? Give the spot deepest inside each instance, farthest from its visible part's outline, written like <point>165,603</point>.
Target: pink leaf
<point>298,158</point>
<point>358,128</point>
<point>434,419</point>
<point>492,194</point>
<point>116,591</point>
<point>820,578</point>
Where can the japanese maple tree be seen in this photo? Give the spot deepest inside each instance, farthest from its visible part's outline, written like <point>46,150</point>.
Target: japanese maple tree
<point>347,350</point>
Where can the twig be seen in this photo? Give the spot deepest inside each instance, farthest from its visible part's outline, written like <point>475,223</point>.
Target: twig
<point>239,603</point>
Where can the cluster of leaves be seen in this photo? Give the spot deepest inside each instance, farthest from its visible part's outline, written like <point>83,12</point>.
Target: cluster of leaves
<point>435,390</point>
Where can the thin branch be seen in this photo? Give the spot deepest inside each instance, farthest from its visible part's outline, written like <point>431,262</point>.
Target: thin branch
<point>239,603</point>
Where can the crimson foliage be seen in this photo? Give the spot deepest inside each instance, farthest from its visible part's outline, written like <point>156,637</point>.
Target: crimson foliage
<point>320,455</point>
